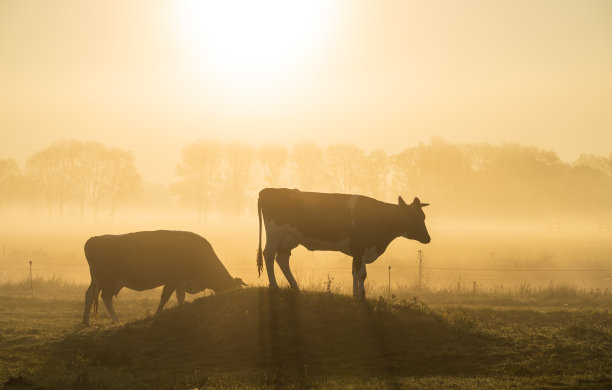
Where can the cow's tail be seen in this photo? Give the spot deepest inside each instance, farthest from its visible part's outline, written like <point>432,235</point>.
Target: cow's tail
<point>88,256</point>
<point>259,252</point>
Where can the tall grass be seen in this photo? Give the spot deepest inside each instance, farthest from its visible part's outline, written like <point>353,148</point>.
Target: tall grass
<point>41,287</point>
<point>553,294</point>
<point>562,294</point>
<point>56,287</point>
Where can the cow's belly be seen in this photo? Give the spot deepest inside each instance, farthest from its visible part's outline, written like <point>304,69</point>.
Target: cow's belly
<point>144,280</point>
<point>141,286</point>
<point>288,237</point>
<point>318,245</point>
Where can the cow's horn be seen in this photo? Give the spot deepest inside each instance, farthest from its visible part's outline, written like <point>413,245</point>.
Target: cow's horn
<point>401,202</point>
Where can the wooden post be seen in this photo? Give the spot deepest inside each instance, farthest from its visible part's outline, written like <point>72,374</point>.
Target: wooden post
<point>31,284</point>
<point>389,281</point>
<point>420,256</point>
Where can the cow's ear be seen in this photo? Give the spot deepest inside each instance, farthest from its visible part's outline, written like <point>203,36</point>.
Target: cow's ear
<point>401,202</point>
<point>417,203</point>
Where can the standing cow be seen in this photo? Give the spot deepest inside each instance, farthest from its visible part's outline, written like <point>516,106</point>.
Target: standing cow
<point>356,225</point>
<point>181,261</point>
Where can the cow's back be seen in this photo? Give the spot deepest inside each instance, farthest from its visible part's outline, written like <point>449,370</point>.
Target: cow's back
<point>319,215</point>
<point>144,260</point>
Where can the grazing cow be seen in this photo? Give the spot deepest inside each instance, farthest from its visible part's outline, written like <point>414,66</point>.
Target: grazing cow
<point>356,225</point>
<point>181,261</point>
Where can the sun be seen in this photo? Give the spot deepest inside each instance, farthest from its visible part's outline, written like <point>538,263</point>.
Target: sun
<point>252,38</point>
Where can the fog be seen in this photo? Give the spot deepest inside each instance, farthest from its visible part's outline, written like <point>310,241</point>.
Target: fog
<point>128,116</point>
<point>124,117</point>
<point>500,215</point>
<point>153,78</point>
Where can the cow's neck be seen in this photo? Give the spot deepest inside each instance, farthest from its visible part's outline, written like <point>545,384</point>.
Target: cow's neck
<point>222,281</point>
<point>391,229</point>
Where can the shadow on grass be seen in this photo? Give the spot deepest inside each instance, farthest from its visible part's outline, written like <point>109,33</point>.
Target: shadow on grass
<point>272,336</point>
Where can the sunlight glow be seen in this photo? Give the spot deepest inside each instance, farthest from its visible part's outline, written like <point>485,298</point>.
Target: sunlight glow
<point>251,39</point>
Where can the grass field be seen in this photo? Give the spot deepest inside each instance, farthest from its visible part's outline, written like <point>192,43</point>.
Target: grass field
<point>257,338</point>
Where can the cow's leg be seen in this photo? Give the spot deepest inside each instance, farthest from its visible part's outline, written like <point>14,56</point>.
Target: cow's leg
<point>180,295</point>
<point>108,302</point>
<point>269,255</point>
<point>91,295</point>
<point>362,277</point>
<point>166,294</point>
<point>273,240</point>
<point>359,276</point>
<point>356,268</point>
<point>282,258</point>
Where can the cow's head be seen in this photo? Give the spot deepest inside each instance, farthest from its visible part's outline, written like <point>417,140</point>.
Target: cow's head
<point>230,284</point>
<point>413,220</point>
<point>193,288</point>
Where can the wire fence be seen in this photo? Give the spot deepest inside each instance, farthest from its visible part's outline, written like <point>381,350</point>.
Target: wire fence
<point>370,267</point>
<point>394,275</point>
<point>336,268</point>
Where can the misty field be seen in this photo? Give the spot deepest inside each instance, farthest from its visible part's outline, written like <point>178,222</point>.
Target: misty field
<point>503,308</point>
<point>124,117</point>
<point>258,338</point>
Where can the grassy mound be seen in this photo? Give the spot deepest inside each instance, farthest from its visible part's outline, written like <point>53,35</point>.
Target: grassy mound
<point>306,333</point>
<point>256,338</point>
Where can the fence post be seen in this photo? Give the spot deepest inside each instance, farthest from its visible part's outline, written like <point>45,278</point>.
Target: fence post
<point>389,281</point>
<point>31,284</point>
<point>420,255</point>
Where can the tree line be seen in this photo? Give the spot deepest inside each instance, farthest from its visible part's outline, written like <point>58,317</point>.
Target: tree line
<point>88,174</point>
<point>461,179</point>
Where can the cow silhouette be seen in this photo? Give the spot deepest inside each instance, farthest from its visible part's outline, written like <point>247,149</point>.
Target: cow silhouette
<point>356,225</point>
<point>179,261</point>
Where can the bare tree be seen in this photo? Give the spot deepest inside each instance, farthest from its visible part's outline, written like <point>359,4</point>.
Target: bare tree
<point>238,159</point>
<point>200,174</point>
<point>595,163</point>
<point>8,169</point>
<point>83,171</point>
<point>406,172</point>
<point>53,168</point>
<point>120,176</point>
<point>478,156</point>
<point>308,164</point>
<point>374,175</point>
<point>345,164</point>
<point>88,174</point>
<point>10,175</point>
<point>273,158</point>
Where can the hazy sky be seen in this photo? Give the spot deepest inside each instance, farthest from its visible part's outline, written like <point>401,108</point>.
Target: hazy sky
<point>153,76</point>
